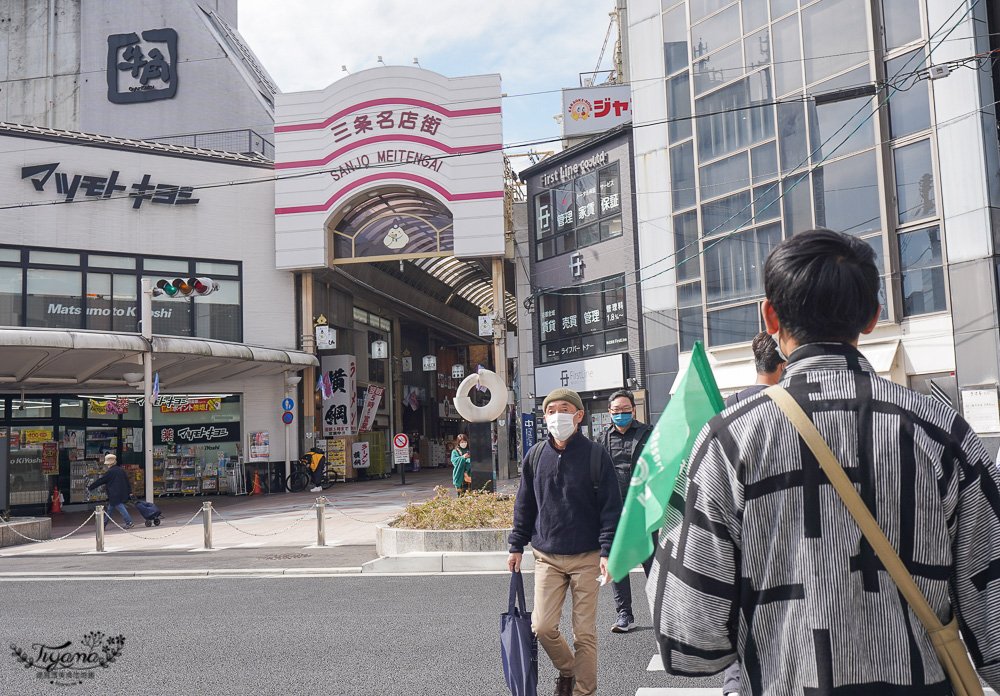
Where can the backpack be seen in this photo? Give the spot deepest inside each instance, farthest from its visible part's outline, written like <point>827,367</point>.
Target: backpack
<point>535,453</point>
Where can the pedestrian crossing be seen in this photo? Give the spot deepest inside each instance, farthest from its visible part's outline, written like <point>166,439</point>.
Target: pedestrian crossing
<point>656,665</point>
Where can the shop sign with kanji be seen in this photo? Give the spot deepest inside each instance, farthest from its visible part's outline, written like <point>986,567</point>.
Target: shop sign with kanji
<point>142,70</point>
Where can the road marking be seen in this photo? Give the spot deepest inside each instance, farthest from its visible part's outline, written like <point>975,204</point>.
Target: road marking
<point>178,546</point>
<point>245,544</point>
<point>646,691</point>
<point>655,664</point>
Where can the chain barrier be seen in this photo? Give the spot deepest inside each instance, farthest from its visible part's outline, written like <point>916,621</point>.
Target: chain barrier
<point>351,517</point>
<point>154,538</point>
<point>42,541</point>
<point>267,534</point>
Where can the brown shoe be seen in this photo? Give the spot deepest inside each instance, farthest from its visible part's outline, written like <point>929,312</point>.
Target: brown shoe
<point>564,686</point>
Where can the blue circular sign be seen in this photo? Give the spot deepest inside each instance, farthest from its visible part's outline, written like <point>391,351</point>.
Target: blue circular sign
<point>286,417</point>
<point>288,405</point>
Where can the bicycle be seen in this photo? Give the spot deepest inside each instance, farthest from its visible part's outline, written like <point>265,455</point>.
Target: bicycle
<point>301,478</point>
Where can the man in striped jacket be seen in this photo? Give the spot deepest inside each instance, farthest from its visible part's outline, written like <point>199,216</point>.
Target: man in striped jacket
<point>759,559</point>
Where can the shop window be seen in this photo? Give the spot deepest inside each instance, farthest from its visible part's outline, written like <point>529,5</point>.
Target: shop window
<point>166,266</point>
<point>99,261</point>
<point>611,228</point>
<point>10,296</point>
<point>835,37</point>
<point>583,321</point>
<point>686,245</point>
<point>754,14</point>
<point>703,8</point>
<point>111,302</point>
<point>71,408</point>
<point>757,49</point>
<point>28,464</point>
<point>610,191</point>
<point>764,162</point>
<point>679,107</point>
<point>53,258</point>
<point>733,325</point>
<point>901,20</point>
<point>728,120</point>
<point>846,193</point>
<point>780,8</point>
<point>171,317</point>
<point>682,175</point>
<point>909,106</point>
<point>717,69</point>
<point>726,214</point>
<point>915,197</point>
<point>922,273</point>
<point>212,268</point>
<point>734,266</point>
<point>831,123</point>
<point>792,136</point>
<point>675,40</point>
<point>787,56</point>
<point>725,176</point>
<point>31,407</point>
<point>219,315</point>
<point>586,198</point>
<point>55,299</point>
<point>715,32</point>
<point>796,204</point>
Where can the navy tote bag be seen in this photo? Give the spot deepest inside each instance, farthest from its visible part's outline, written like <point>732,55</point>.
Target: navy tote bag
<point>518,645</point>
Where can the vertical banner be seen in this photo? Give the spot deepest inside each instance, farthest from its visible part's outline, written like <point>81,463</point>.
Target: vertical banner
<point>373,397</point>
<point>359,455</point>
<point>527,431</point>
<point>340,400</point>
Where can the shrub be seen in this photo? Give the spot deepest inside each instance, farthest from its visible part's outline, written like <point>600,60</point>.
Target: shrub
<point>474,510</point>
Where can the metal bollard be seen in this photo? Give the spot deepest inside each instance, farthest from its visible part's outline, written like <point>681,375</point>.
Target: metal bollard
<point>321,521</point>
<point>99,519</point>
<point>206,519</point>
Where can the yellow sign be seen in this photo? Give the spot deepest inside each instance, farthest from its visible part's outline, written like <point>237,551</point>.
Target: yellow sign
<point>36,436</point>
<point>110,407</point>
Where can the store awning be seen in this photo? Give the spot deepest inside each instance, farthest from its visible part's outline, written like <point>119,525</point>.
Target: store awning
<point>39,360</point>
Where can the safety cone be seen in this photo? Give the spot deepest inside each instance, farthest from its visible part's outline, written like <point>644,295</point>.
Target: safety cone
<point>57,500</point>
<point>256,485</point>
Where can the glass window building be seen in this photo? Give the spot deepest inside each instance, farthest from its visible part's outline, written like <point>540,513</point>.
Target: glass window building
<point>771,117</point>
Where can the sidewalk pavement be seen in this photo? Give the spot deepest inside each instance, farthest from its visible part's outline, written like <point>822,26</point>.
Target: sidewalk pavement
<point>261,535</point>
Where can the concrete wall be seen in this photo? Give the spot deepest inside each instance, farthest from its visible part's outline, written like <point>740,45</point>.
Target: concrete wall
<point>215,87</point>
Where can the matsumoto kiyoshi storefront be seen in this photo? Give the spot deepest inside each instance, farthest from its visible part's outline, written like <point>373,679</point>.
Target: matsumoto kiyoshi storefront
<point>85,220</point>
<point>196,443</point>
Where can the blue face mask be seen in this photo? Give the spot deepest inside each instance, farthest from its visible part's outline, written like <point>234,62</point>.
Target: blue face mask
<point>622,420</point>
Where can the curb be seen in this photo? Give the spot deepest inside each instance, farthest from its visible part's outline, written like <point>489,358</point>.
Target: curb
<point>185,573</point>
<point>446,562</point>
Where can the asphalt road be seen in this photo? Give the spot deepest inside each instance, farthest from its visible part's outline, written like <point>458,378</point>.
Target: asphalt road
<point>332,635</point>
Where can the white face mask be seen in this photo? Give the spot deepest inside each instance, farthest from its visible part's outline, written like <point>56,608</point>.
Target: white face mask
<point>561,425</point>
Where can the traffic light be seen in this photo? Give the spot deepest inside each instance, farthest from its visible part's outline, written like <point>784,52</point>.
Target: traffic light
<point>186,287</point>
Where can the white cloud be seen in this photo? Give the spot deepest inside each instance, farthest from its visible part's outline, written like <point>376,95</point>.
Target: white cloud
<point>535,45</point>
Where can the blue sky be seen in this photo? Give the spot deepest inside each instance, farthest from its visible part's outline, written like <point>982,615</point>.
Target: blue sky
<point>535,45</point>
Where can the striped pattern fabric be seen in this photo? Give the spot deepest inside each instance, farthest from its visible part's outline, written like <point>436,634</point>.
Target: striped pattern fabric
<point>760,558</point>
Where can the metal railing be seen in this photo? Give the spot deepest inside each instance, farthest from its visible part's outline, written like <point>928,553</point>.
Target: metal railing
<point>244,141</point>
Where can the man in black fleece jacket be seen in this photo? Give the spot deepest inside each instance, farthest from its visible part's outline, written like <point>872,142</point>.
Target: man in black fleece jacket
<point>570,527</point>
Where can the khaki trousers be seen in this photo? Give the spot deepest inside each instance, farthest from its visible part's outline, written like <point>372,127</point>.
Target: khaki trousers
<point>553,575</point>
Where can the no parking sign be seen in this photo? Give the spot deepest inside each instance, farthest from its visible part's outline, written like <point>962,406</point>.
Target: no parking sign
<point>400,449</point>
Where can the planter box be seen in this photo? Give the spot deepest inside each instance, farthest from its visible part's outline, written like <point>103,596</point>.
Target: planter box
<point>34,527</point>
<point>395,541</point>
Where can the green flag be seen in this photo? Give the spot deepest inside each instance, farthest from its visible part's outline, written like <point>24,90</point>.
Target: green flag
<point>697,399</point>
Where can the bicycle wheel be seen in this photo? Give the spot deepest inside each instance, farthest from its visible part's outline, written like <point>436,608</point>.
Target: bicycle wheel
<point>297,481</point>
<point>329,479</point>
